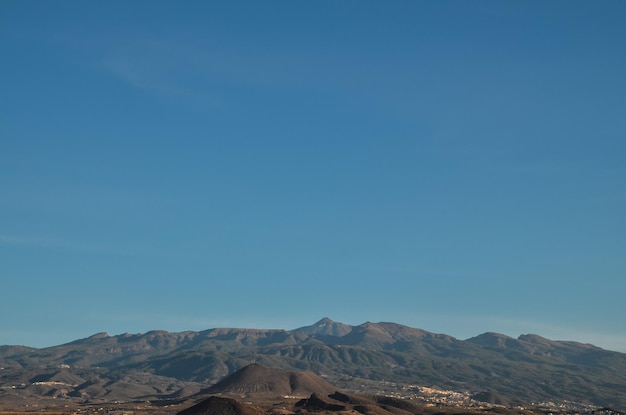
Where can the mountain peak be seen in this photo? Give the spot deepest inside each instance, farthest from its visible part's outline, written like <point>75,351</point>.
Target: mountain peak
<point>327,327</point>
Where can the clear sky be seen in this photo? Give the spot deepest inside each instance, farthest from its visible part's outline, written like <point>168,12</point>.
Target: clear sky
<point>455,166</point>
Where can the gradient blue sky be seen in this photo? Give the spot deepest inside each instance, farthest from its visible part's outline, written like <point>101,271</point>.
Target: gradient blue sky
<point>454,166</point>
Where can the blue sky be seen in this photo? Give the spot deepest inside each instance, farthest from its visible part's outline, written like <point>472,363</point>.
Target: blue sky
<point>454,166</point>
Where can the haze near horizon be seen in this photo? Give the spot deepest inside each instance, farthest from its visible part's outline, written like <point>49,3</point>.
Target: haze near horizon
<point>458,167</point>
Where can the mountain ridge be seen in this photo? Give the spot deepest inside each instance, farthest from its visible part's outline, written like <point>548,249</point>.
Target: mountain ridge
<point>314,329</point>
<point>530,367</point>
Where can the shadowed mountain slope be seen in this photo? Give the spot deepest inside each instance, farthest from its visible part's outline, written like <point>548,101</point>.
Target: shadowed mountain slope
<point>216,405</point>
<point>354,403</point>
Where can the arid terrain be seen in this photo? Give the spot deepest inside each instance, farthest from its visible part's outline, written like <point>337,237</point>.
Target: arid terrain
<point>373,368</point>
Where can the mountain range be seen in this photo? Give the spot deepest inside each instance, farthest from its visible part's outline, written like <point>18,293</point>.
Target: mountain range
<point>164,366</point>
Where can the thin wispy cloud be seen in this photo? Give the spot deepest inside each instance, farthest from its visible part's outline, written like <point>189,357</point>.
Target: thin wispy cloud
<point>165,69</point>
<point>32,241</point>
<point>206,73</point>
<point>49,242</point>
<point>146,76</point>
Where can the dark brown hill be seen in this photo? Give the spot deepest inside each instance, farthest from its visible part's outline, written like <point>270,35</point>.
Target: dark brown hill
<point>320,402</point>
<point>259,379</point>
<point>216,405</point>
<point>353,403</point>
